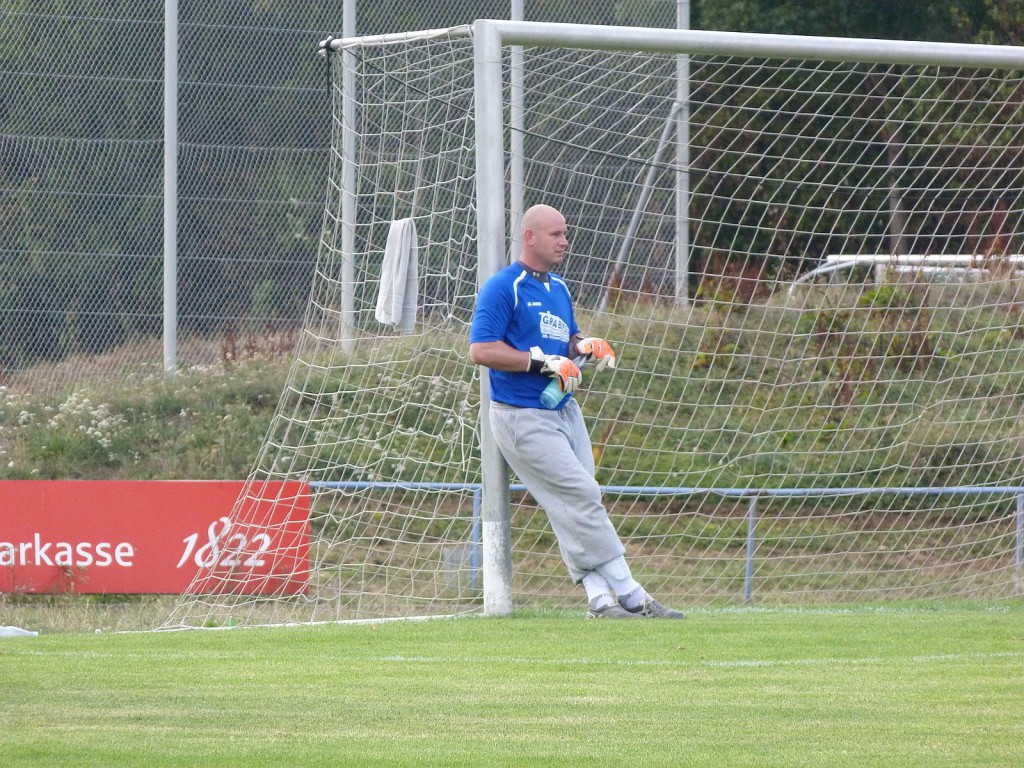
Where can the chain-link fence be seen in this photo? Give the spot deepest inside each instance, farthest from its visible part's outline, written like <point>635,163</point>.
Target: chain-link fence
<point>82,170</point>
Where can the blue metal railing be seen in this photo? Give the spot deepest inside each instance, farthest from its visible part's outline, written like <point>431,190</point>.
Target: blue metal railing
<point>751,494</point>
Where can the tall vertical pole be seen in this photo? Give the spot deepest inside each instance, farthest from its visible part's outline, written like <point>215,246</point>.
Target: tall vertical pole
<point>348,180</point>
<point>682,252</point>
<point>517,125</point>
<point>170,185</point>
<point>495,523</point>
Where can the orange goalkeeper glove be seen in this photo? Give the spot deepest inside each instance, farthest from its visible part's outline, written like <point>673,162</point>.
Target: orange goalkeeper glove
<point>597,349</point>
<point>564,370</point>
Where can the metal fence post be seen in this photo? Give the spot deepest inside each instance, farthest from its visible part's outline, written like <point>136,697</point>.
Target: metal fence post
<point>1019,557</point>
<point>748,580</point>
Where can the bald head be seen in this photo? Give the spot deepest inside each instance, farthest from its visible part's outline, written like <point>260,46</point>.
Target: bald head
<point>541,216</point>
<point>545,238</point>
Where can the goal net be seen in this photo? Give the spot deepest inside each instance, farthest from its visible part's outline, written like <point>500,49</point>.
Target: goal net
<point>808,408</point>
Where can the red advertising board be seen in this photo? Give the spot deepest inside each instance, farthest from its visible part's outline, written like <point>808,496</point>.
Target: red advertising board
<point>126,537</point>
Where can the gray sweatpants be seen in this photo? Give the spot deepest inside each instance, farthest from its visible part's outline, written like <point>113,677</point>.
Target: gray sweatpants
<point>550,452</point>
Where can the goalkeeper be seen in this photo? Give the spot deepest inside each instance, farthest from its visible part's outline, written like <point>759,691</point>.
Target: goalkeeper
<point>524,331</point>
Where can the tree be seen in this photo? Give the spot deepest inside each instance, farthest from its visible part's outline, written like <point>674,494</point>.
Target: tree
<point>934,20</point>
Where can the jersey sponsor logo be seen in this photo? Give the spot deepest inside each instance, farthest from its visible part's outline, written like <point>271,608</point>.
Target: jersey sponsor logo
<point>535,304</point>
<point>553,327</point>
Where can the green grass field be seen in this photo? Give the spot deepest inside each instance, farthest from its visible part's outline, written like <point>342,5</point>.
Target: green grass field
<point>905,685</point>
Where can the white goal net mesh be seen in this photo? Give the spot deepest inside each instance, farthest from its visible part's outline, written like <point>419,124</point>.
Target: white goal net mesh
<point>810,406</point>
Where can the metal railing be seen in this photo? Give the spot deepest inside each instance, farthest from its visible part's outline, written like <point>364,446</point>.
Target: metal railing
<point>752,495</point>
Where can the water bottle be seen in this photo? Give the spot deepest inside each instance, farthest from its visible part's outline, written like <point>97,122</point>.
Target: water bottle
<point>552,395</point>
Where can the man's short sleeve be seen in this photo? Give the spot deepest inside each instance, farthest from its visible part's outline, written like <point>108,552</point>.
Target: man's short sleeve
<point>493,313</point>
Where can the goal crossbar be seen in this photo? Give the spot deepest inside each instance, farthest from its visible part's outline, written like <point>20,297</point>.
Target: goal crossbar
<point>696,41</point>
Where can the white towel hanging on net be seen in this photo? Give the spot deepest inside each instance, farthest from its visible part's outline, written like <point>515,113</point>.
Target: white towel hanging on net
<point>399,286</point>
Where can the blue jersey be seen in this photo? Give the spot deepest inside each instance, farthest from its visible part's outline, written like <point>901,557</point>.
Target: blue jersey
<point>522,311</point>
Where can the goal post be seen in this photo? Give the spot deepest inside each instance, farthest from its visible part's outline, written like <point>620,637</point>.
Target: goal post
<point>773,438</point>
<point>492,245</point>
<point>489,38</point>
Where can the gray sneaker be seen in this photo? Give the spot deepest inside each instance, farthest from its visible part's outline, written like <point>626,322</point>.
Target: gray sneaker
<point>611,611</point>
<point>652,609</point>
